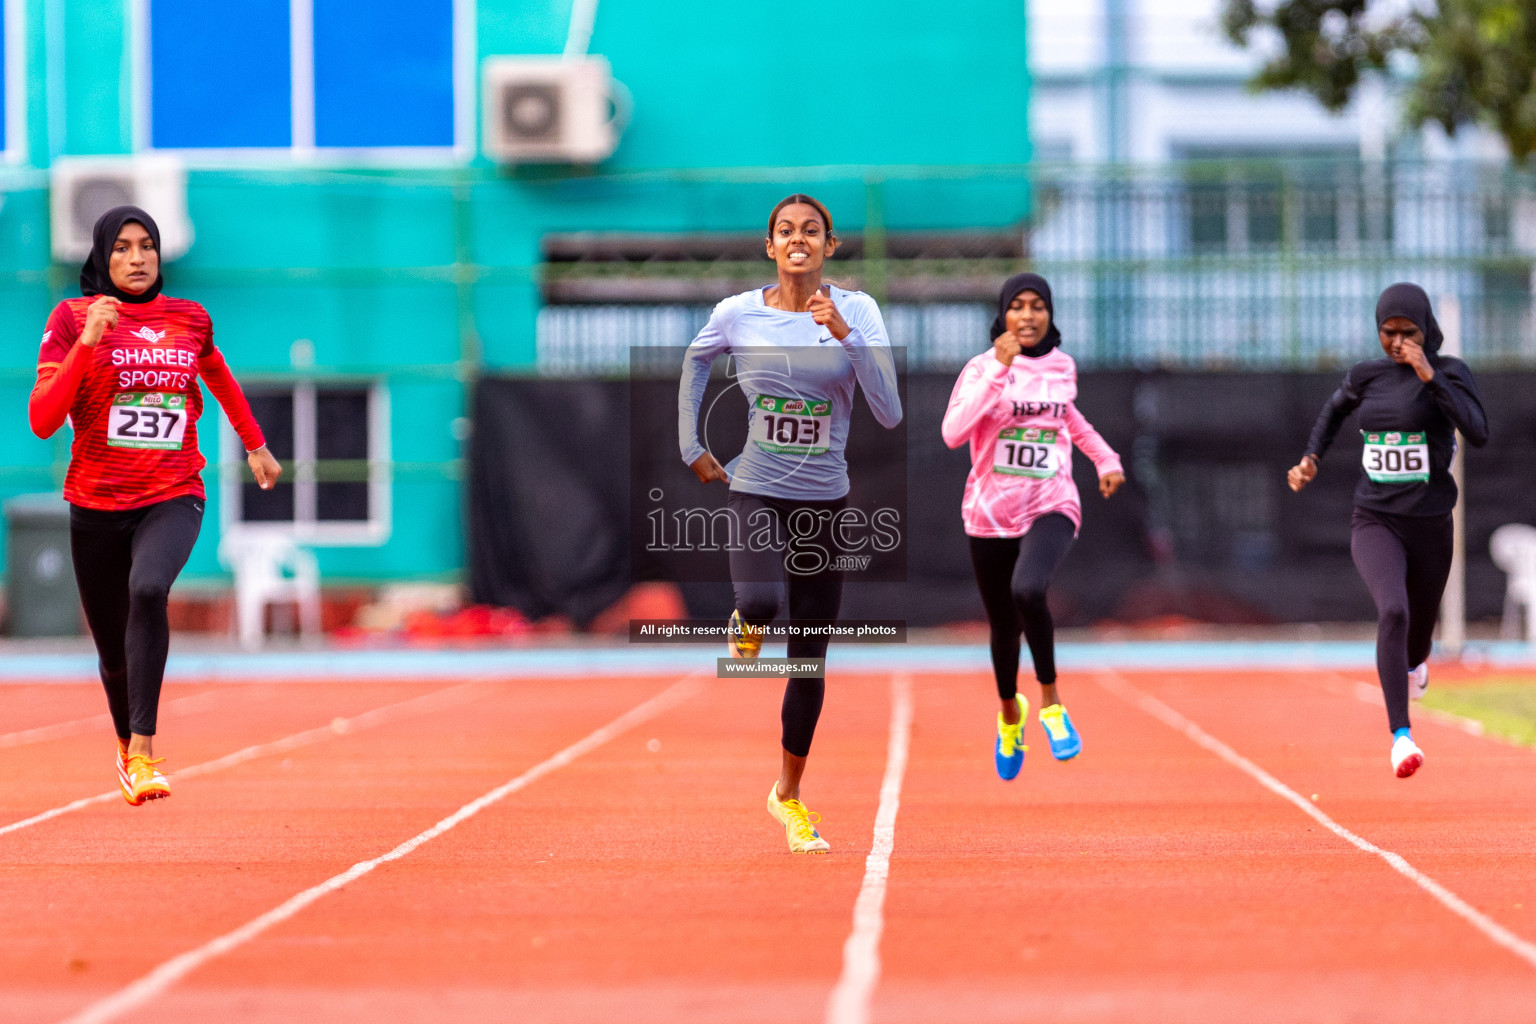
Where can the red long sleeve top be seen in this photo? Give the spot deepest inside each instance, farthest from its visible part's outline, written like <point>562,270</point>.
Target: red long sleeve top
<point>133,400</point>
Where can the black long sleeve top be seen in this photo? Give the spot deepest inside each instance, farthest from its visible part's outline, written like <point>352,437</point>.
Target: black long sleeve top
<point>1391,397</point>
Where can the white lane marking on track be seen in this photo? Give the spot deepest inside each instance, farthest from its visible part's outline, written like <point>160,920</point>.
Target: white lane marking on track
<point>849,1001</point>
<point>1370,693</point>
<point>1522,948</point>
<point>76,726</point>
<point>367,720</point>
<point>173,970</point>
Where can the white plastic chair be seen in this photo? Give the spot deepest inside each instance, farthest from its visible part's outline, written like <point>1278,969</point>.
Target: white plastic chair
<point>270,568</point>
<point>1513,548</point>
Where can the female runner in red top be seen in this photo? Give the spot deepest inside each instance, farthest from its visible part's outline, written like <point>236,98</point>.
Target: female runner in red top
<point>122,364</point>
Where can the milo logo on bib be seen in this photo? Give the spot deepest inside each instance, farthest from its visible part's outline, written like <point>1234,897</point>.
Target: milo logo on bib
<point>150,399</point>
<point>792,426</point>
<point>1395,456</point>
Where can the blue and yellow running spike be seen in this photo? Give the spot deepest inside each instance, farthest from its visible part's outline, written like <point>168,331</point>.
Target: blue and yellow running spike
<point>1008,754</point>
<point>1065,742</point>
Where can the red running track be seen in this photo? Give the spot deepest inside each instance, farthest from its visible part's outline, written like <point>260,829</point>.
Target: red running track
<point>1149,880</point>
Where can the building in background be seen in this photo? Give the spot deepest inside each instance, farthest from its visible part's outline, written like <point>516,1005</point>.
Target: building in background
<point>1188,223</point>
<point>1152,82</point>
<point>1193,222</point>
<point>366,264</point>
<point>363,262</point>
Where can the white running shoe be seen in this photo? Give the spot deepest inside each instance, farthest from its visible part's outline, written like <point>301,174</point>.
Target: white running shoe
<point>1407,758</point>
<point>1418,681</point>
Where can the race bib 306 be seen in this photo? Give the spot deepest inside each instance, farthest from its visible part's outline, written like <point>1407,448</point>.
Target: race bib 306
<point>1395,456</point>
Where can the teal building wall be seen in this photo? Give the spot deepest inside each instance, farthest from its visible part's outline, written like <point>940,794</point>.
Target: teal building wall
<point>422,272</point>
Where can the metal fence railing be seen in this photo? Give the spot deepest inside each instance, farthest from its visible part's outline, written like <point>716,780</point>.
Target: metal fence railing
<point>1251,265</point>
<point>1208,265</point>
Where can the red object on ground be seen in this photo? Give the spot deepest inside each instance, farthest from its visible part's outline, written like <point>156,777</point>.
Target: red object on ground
<point>478,620</point>
<point>642,601</point>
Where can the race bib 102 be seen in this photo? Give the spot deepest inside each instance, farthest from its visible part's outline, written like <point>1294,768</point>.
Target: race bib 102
<point>1395,456</point>
<point>147,419</point>
<point>792,426</point>
<point>1025,451</point>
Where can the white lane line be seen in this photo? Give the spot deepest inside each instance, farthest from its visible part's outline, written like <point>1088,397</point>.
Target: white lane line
<point>76,726</point>
<point>1522,948</point>
<point>1341,685</point>
<point>1370,693</point>
<point>849,1002</point>
<point>338,726</point>
<point>173,970</point>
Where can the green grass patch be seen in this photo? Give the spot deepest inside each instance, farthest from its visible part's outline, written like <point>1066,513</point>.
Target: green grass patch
<point>1505,705</point>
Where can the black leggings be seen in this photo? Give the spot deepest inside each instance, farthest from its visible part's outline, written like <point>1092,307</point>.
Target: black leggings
<point>790,534</point>
<point>125,563</point>
<point>1013,574</point>
<point>1405,561</point>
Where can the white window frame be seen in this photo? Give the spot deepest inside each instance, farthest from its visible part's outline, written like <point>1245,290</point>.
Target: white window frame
<point>13,119</point>
<point>304,527</point>
<point>302,148</point>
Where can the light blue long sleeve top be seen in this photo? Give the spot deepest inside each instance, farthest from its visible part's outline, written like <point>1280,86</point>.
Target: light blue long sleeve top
<point>798,381</point>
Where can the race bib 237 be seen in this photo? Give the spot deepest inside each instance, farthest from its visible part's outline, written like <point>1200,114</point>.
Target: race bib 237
<point>147,419</point>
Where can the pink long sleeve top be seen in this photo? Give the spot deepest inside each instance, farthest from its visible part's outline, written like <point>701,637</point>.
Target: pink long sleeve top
<point>1021,422</point>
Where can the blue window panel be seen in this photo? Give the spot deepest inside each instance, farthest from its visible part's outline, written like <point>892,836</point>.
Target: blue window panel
<point>220,74</point>
<point>383,73</point>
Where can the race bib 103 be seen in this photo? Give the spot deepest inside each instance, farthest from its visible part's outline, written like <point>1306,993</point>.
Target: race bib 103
<point>1395,456</point>
<point>1025,451</point>
<point>147,419</point>
<point>792,426</point>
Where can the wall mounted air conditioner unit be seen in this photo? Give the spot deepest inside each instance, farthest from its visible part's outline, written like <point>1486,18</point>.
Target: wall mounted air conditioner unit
<point>550,110</point>
<point>83,188</point>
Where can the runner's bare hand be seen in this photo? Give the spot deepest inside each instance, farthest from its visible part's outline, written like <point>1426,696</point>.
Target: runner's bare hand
<point>1007,348</point>
<point>1302,473</point>
<point>707,468</point>
<point>824,312</point>
<point>100,317</point>
<point>1412,354</point>
<point>264,468</point>
<point>1109,483</point>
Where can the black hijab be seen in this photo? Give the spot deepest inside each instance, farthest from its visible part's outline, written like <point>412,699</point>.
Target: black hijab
<point>1011,288</point>
<point>95,276</point>
<point>1409,300</point>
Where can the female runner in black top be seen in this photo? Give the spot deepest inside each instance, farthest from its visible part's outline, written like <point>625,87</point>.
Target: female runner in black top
<point>1411,403</point>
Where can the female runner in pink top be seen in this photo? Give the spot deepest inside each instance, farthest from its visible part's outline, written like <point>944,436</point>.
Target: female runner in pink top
<point>1014,404</point>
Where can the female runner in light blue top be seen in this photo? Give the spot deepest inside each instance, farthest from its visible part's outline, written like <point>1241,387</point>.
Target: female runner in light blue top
<point>799,347</point>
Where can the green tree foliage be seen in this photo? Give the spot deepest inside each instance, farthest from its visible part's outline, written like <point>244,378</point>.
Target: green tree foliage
<point>1476,58</point>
